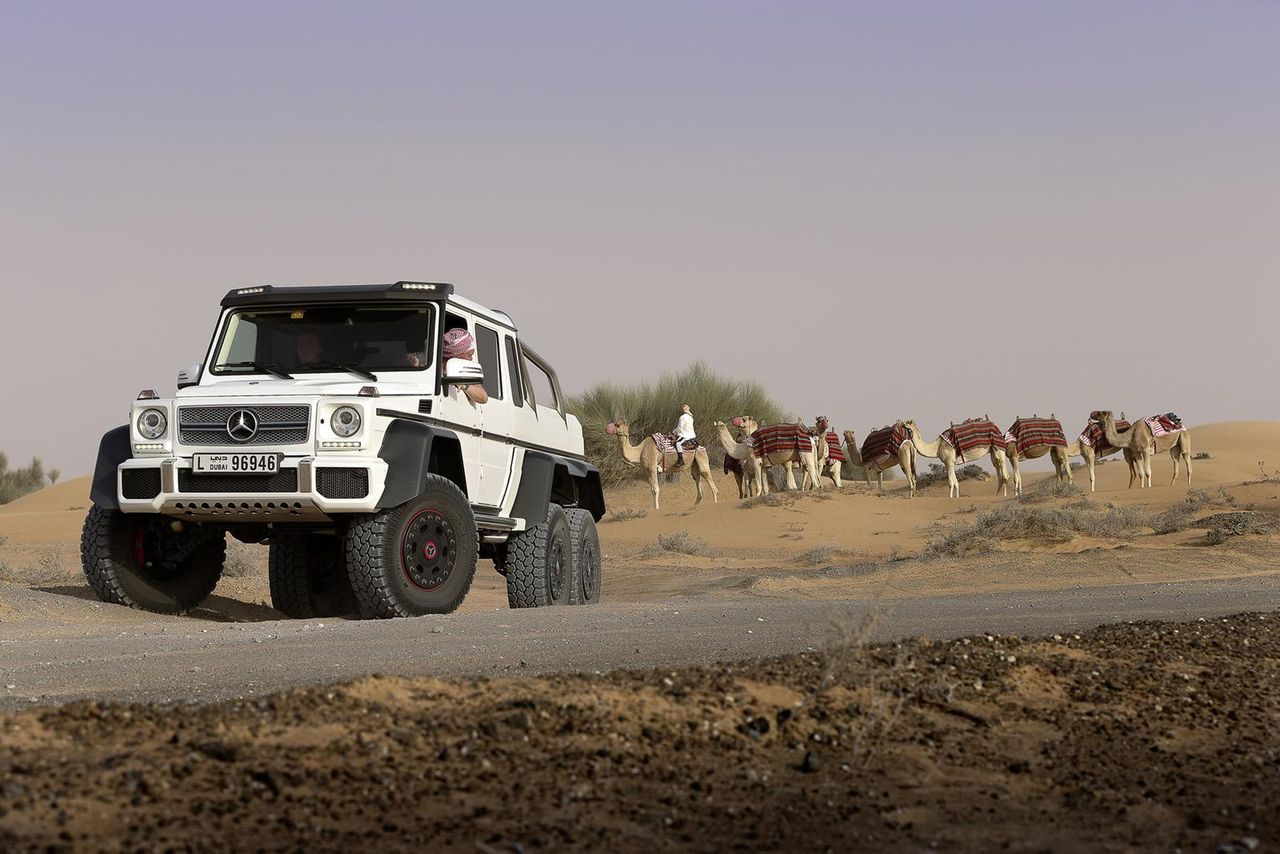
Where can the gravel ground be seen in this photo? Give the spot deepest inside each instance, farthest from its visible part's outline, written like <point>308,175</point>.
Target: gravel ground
<point>1148,736</point>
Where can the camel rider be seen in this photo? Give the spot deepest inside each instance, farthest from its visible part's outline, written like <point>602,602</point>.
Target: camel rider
<point>683,432</point>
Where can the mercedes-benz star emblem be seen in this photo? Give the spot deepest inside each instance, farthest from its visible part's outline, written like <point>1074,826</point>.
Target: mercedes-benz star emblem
<point>242,425</point>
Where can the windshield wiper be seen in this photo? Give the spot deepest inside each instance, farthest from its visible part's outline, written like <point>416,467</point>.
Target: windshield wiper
<point>339,366</point>
<point>260,367</point>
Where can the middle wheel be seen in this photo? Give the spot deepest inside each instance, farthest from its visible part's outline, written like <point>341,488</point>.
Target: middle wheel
<point>540,563</point>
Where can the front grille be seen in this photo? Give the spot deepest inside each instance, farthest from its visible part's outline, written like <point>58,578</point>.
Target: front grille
<point>140,483</point>
<point>285,480</point>
<point>277,425</point>
<point>342,483</point>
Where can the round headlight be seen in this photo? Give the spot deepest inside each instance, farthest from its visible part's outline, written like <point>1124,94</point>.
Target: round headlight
<point>346,421</point>
<point>152,423</point>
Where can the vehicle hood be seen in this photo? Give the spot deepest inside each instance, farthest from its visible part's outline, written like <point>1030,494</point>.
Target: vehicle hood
<point>310,386</point>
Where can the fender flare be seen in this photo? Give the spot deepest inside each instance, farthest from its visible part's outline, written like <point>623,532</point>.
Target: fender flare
<point>112,451</point>
<point>413,450</point>
<point>546,477</point>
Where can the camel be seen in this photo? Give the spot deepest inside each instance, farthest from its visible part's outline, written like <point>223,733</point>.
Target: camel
<point>826,465</point>
<point>906,460</point>
<point>751,481</point>
<point>1137,440</point>
<point>1059,456</point>
<point>941,449</point>
<point>646,457</point>
<point>1090,457</point>
<point>806,459</point>
<point>1179,447</point>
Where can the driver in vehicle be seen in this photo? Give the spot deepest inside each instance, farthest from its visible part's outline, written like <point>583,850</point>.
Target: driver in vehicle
<point>308,345</point>
<point>460,346</point>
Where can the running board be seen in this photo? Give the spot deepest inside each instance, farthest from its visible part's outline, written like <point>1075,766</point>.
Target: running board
<point>486,522</point>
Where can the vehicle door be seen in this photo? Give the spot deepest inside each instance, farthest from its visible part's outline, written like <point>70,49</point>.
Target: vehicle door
<point>461,415</point>
<point>496,419</point>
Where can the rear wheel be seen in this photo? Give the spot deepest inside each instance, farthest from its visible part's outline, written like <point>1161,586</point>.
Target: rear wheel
<point>141,561</point>
<point>540,563</point>
<point>584,586</point>
<point>308,576</point>
<point>418,558</point>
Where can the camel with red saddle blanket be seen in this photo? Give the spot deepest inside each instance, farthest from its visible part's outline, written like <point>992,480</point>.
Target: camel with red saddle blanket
<point>647,457</point>
<point>830,455</point>
<point>882,450</point>
<point>965,441</point>
<point>781,445</point>
<point>1146,438</point>
<point>1032,438</point>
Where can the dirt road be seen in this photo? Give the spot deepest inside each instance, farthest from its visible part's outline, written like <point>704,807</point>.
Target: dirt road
<point>88,649</point>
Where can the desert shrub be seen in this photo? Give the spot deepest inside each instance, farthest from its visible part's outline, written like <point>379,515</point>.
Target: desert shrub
<point>1046,524</point>
<point>625,513</point>
<point>1238,523</point>
<point>242,559</point>
<point>852,471</point>
<point>1047,489</point>
<point>680,542</point>
<point>937,473</point>
<point>15,483</point>
<point>1203,455</point>
<point>782,498</point>
<point>819,555</point>
<point>654,407</point>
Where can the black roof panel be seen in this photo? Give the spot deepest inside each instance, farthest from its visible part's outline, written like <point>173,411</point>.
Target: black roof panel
<point>293,294</point>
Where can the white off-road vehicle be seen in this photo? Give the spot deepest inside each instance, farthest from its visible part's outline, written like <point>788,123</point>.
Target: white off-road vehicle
<point>325,422</point>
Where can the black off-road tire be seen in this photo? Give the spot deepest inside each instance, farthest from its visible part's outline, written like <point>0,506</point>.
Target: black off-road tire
<point>437,530</point>
<point>309,577</point>
<point>540,563</point>
<point>584,539</point>
<point>124,561</point>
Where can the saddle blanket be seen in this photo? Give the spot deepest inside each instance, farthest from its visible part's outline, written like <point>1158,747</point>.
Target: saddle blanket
<point>667,443</point>
<point>1095,438</point>
<point>781,439</point>
<point>882,445</point>
<point>972,434</point>
<point>1027,433</point>
<point>1162,425</point>
<point>835,453</point>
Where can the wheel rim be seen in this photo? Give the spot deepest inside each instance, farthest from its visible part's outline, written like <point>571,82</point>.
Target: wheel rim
<point>557,570</point>
<point>428,549</point>
<point>590,572</point>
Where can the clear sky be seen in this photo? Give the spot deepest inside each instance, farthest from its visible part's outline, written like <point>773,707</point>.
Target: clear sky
<point>881,210</point>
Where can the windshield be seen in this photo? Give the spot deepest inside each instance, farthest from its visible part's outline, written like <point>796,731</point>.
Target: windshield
<point>325,339</point>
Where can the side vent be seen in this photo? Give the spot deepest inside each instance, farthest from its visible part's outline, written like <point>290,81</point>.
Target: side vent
<point>424,406</point>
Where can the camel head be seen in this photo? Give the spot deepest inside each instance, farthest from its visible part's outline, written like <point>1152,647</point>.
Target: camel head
<point>821,424</point>
<point>746,423</point>
<point>910,425</point>
<point>618,428</point>
<point>850,439</point>
<point>1102,416</point>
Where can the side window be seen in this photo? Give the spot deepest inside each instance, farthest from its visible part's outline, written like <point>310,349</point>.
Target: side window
<point>544,391</point>
<point>488,356</point>
<point>513,371</point>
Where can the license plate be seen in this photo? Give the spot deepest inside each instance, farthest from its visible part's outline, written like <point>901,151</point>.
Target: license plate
<point>235,463</point>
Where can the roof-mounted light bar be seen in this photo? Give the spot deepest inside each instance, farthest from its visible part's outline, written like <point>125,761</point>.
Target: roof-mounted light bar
<point>258,290</point>
<point>419,286</point>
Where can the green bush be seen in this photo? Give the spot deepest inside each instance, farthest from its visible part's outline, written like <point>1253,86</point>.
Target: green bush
<point>15,483</point>
<point>654,407</point>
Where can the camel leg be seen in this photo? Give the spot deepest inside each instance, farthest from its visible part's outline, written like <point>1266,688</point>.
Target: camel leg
<point>653,485</point>
<point>1017,474</point>
<point>953,483</point>
<point>1186,454</point>
<point>1173,455</point>
<point>1002,476</point>
<point>1093,483</point>
<point>791,476</point>
<point>704,468</point>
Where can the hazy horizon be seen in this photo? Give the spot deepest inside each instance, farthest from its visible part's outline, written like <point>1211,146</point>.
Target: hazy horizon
<point>879,210</point>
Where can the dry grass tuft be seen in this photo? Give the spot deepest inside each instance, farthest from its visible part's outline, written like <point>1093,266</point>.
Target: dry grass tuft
<point>627,513</point>
<point>819,555</point>
<point>242,559</point>
<point>937,473</point>
<point>681,542</point>
<point>1049,489</point>
<point>1045,524</point>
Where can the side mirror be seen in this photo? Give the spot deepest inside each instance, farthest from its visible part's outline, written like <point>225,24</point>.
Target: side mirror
<point>462,372</point>
<point>189,376</point>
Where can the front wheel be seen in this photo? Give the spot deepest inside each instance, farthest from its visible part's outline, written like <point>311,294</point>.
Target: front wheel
<point>418,558</point>
<point>141,561</point>
<point>584,540</point>
<point>540,563</point>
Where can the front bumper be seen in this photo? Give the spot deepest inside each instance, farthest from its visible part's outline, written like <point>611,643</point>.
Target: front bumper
<point>300,492</point>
